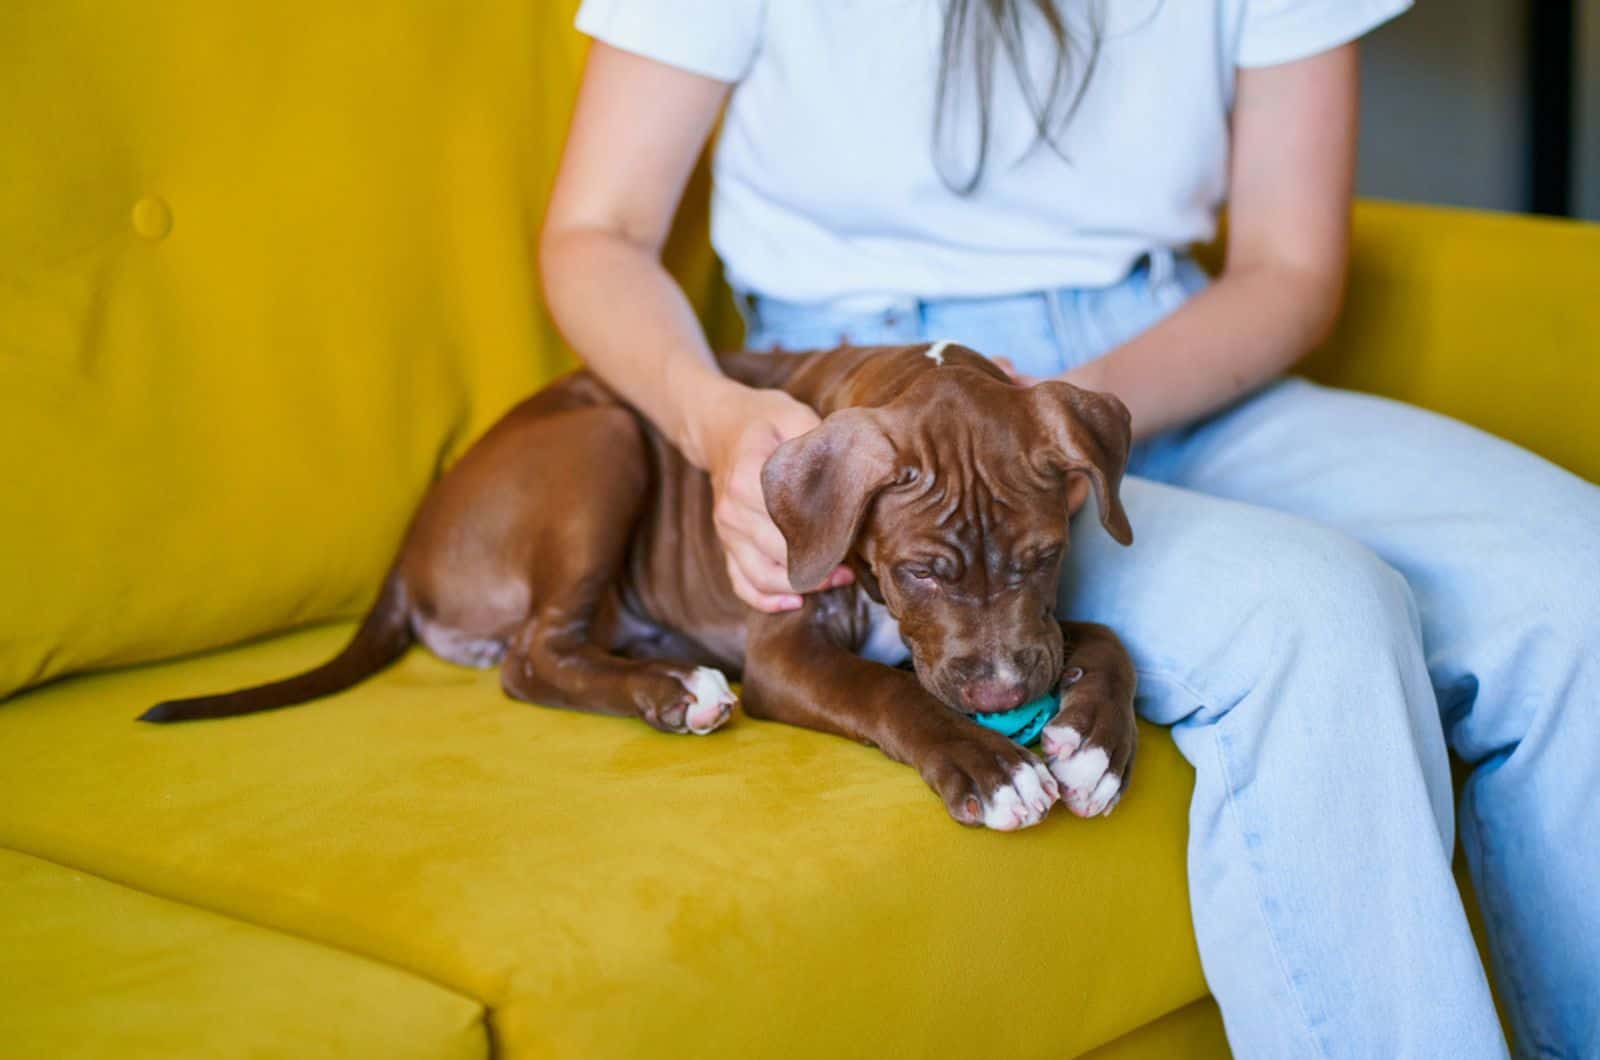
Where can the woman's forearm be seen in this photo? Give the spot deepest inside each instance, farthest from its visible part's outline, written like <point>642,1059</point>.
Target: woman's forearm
<point>1289,190</point>
<point>613,300</point>
<point>1241,332</point>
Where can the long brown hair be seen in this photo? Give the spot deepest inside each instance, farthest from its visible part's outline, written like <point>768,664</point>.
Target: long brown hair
<point>978,35</point>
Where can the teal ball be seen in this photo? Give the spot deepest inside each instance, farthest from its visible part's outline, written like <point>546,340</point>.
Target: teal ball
<point>1022,724</point>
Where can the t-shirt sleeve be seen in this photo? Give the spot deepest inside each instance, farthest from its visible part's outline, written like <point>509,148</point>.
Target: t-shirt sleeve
<point>1281,31</point>
<point>713,38</point>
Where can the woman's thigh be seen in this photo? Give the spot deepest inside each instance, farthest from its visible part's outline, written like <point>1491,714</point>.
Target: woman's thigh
<point>1213,590</point>
<point>1270,642</point>
<point>1500,547</point>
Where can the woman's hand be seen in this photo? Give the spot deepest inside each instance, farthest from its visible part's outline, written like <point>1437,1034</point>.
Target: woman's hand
<point>741,428</point>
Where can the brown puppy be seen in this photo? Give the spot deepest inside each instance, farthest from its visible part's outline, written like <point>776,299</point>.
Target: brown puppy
<point>573,547</point>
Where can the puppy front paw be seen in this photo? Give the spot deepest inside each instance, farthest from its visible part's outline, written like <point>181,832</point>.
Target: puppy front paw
<point>990,783</point>
<point>1089,746</point>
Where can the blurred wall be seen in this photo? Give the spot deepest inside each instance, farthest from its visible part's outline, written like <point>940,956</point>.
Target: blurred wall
<point>1442,106</point>
<point>1444,103</point>
<point>1586,197</point>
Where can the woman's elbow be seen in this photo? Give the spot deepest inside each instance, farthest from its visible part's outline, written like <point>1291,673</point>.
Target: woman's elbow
<point>1313,296</point>
<point>555,248</point>
<point>1324,299</point>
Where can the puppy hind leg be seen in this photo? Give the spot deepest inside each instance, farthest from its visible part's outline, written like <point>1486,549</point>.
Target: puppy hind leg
<point>554,662</point>
<point>553,657</point>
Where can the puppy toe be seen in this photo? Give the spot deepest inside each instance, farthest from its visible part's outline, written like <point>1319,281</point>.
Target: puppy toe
<point>1060,741</point>
<point>1104,795</point>
<point>1021,802</point>
<point>1032,789</point>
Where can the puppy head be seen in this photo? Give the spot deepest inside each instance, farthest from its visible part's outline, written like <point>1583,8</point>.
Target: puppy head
<point>950,501</point>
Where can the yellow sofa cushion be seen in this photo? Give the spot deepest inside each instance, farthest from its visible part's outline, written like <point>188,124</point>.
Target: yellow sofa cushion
<point>92,969</point>
<point>263,269</point>
<point>607,890</point>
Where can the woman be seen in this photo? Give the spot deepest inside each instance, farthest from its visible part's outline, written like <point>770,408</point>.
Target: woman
<point>1327,589</point>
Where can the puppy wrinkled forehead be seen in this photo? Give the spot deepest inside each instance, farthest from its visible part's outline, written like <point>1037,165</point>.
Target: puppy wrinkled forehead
<point>959,423</point>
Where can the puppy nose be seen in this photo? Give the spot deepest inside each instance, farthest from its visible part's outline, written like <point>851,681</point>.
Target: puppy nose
<point>988,697</point>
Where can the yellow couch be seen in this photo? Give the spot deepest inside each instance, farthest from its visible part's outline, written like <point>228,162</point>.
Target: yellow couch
<point>264,269</point>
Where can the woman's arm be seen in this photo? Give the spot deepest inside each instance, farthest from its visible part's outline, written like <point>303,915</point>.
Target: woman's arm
<point>638,128</point>
<point>1290,184</point>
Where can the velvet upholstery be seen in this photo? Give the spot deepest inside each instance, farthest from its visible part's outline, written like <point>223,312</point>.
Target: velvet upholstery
<point>264,269</point>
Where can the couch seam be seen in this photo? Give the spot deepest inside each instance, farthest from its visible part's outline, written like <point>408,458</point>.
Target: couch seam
<point>1114,1039</point>
<point>1134,1028</point>
<point>484,1006</point>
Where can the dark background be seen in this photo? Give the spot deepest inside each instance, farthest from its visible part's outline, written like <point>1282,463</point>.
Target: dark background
<point>1486,103</point>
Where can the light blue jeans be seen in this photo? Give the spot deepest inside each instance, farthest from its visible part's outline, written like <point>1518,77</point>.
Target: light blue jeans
<point>1327,590</point>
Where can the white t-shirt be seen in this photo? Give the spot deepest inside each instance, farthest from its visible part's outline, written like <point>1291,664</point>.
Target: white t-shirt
<point>826,185</point>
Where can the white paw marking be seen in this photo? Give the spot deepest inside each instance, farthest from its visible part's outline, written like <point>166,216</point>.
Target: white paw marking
<point>1088,790</point>
<point>936,351</point>
<point>884,643</point>
<point>1004,810</point>
<point>713,700</point>
<point>1061,741</point>
<point>1083,770</point>
<point>1021,803</point>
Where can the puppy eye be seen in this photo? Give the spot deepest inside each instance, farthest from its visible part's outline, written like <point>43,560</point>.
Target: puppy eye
<point>919,573</point>
<point>1035,562</point>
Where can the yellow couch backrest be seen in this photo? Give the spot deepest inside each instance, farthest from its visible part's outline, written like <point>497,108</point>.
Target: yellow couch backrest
<point>264,268</point>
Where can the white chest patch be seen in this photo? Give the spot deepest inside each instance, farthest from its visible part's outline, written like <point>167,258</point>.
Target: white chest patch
<point>883,643</point>
<point>936,351</point>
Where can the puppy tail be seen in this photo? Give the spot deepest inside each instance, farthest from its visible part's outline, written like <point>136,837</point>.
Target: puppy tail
<point>383,637</point>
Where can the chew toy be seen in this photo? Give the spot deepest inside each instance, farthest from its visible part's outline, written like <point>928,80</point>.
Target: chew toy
<point>1024,724</point>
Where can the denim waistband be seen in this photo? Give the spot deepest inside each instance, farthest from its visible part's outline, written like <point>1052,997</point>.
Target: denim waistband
<point>1157,266</point>
<point>1042,332</point>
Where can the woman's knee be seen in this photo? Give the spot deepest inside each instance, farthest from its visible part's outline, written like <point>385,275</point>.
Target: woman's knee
<point>1320,608</point>
<point>1217,600</point>
<point>1326,594</point>
<point>1330,671</point>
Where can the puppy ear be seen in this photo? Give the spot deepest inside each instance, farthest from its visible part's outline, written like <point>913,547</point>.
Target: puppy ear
<point>818,487</point>
<point>1089,433</point>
